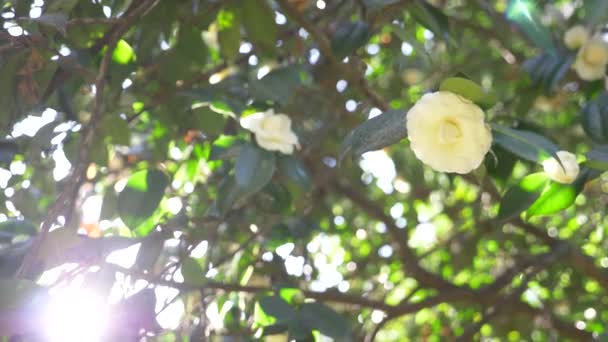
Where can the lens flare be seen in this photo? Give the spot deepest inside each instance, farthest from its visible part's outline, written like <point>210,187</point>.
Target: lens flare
<point>75,315</point>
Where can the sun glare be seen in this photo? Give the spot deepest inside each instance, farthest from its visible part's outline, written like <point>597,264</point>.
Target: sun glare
<point>75,315</point>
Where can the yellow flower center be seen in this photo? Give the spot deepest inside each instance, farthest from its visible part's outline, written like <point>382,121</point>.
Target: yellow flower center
<point>595,54</point>
<point>449,131</point>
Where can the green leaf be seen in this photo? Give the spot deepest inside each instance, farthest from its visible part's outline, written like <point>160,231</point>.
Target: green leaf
<point>60,6</point>
<point>277,307</point>
<point>149,252</point>
<point>190,44</point>
<point>280,85</point>
<point>558,196</point>
<point>324,319</point>
<point>519,197</point>
<point>58,21</point>
<point>525,14</point>
<point>229,32</point>
<point>227,194</point>
<point>432,18</point>
<point>548,69</point>
<point>468,89</point>
<point>258,20</point>
<point>525,144</point>
<point>225,147</point>
<point>254,168</point>
<point>295,170</point>
<point>595,11</point>
<point>376,133</point>
<point>141,196</point>
<point>597,158</point>
<point>123,53</point>
<point>349,37</point>
<point>378,4</point>
<point>192,271</point>
<point>595,119</point>
<point>209,121</point>
<point>8,150</point>
<point>18,227</point>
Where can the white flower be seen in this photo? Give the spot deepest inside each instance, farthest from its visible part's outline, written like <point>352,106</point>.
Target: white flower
<point>566,174</point>
<point>576,37</point>
<point>448,132</point>
<point>272,131</point>
<point>590,63</point>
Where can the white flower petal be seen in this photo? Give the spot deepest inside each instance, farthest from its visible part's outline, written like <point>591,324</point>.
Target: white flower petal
<point>448,132</point>
<point>565,173</point>
<point>272,131</point>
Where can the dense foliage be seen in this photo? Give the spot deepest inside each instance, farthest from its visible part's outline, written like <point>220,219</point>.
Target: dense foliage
<point>137,168</point>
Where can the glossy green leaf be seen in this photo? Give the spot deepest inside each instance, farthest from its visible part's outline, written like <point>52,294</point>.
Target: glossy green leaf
<point>349,37</point>
<point>594,119</point>
<point>260,26</point>
<point>277,307</point>
<point>557,196</point>
<point>547,69</point>
<point>280,85</point>
<point>526,15</point>
<point>468,89</point>
<point>295,170</point>
<point>376,133</point>
<point>519,197</point>
<point>229,32</point>
<point>525,144</point>
<point>149,252</point>
<point>141,196</point>
<point>254,168</point>
<point>192,271</point>
<point>123,53</point>
<point>595,11</point>
<point>597,158</point>
<point>321,317</point>
<point>18,226</point>
<point>432,18</point>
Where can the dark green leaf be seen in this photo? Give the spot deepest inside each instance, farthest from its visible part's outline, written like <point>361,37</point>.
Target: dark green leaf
<point>17,227</point>
<point>595,119</point>
<point>229,32</point>
<point>57,21</point>
<point>595,11</point>
<point>432,18</point>
<point>149,251</point>
<point>141,196</point>
<point>376,133</point>
<point>192,272</point>
<point>254,168</point>
<point>294,169</point>
<point>548,69</point>
<point>597,158</point>
<point>258,20</point>
<point>519,197</point>
<point>277,307</point>
<point>526,16</point>
<point>525,144</point>
<point>280,85</point>
<point>378,4</point>
<point>349,37</point>
<point>323,318</point>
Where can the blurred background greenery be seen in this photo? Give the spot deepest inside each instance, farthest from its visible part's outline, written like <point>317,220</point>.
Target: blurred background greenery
<point>120,121</point>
